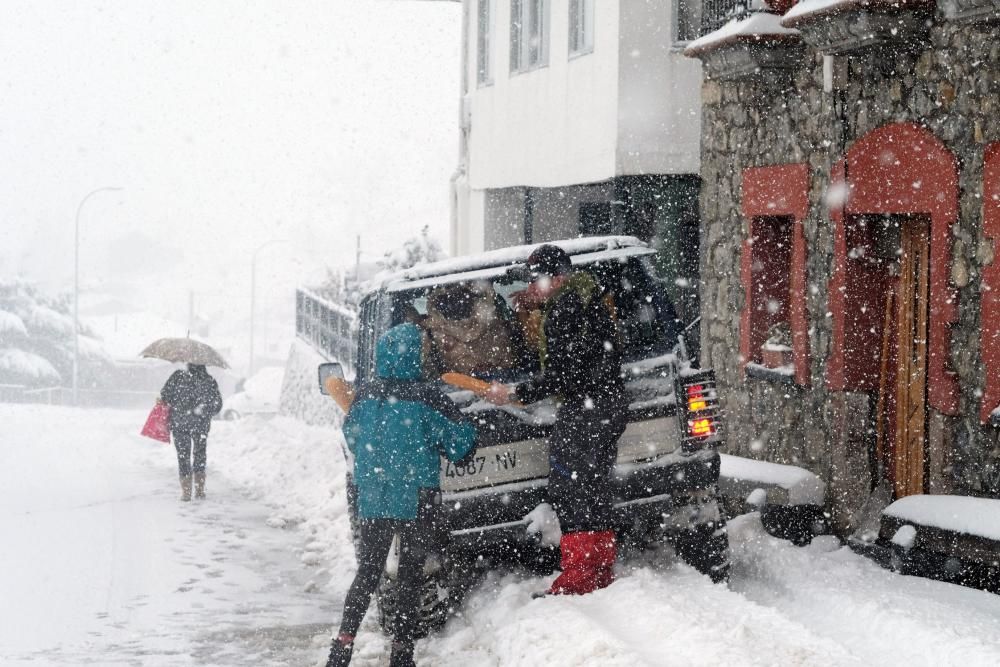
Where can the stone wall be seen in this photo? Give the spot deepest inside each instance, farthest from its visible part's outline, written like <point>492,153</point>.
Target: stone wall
<point>952,89</point>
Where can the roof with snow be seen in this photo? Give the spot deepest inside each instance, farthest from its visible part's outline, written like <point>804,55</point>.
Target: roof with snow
<point>760,26</point>
<point>814,8</point>
<point>494,262</point>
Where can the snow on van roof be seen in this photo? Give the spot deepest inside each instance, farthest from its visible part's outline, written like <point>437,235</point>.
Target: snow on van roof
<point>494,262</point>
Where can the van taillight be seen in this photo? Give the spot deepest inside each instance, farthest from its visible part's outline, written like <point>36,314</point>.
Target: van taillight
<point>696,398</point>
<point>702,417</point>
<point>700,427</point>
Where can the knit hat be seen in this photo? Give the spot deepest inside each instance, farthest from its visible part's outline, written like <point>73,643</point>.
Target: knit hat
<point>548,260</point>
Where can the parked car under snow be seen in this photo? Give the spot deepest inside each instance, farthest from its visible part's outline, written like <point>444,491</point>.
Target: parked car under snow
<point>260,396</point>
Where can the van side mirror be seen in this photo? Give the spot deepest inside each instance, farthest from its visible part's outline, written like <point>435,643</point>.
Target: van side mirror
<point>326,371</point>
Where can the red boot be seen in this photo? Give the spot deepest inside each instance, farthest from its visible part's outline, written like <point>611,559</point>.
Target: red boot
<point>587,561</point>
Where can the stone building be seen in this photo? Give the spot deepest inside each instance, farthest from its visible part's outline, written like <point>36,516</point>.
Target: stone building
<point>850,206</point>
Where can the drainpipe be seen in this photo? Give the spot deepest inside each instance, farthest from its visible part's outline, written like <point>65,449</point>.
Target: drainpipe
<point>529,215</point>
<point>458,185</point>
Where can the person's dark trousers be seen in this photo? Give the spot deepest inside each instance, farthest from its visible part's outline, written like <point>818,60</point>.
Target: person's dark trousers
<point>375,539</point>
<point>190,442</point>
<point>583,446</point>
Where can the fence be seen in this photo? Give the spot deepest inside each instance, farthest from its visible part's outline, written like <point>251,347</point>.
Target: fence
<point>331,329</point>
<point>700,17</point>
<point>88,398</point>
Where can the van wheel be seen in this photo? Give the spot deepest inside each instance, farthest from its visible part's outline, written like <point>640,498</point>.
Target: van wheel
<point>442,594</point>
<point>706,549</point>
<point>432,608</point>
<point>230,415</point>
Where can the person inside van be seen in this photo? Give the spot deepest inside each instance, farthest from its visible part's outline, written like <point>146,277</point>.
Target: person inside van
<point>466,333</point>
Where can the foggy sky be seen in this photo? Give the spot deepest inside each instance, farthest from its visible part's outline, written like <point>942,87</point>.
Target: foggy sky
<point>227,124</point>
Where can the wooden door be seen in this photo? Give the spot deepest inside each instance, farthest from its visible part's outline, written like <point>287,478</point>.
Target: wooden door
<point>908,456</point>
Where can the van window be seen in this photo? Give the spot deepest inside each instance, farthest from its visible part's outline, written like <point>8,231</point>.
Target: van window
<point>480,328</point>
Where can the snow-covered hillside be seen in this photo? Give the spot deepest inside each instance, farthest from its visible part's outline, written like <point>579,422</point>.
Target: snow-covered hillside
<point>103,566</point>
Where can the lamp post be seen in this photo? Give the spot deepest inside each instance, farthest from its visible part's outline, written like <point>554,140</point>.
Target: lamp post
<point>76,290</point>
<point>253,293</point>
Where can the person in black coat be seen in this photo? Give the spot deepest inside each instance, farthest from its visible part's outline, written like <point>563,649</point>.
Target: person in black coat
<point>194,398</point>
<point>581,365</point>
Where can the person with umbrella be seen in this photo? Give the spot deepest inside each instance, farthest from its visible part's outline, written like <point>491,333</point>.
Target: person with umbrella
<point>194,398</point>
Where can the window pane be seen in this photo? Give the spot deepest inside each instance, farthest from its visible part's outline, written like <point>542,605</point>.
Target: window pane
<point>516,32</point>
<point>534,31</point>
<point>485,30</point>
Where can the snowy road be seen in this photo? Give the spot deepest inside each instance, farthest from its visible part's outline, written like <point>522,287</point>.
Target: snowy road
<point>102,565</point>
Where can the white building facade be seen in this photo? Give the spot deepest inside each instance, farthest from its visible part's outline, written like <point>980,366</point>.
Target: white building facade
<point>579,117</point>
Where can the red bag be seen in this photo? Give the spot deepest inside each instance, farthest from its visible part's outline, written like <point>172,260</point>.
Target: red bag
<point>157,423</point>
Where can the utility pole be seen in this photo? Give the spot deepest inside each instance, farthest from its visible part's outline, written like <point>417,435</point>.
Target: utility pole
<point>76,292</point>
<point>357,261</point>
<point>253,294</point>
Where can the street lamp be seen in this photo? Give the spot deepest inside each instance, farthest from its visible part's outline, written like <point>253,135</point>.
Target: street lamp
<point>253,293</point>
<point>76,291</point>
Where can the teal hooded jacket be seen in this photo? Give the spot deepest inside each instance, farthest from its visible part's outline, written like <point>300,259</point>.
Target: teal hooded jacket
<point>398,427</point>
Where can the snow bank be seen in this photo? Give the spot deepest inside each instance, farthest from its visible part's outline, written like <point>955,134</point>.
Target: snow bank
<point>300,395</point>
<point>962,514</point>
<point>800,486</point>
<point>817,605</point>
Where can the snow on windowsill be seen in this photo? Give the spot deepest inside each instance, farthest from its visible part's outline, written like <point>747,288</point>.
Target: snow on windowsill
<point>807,7</point>
<point>764,372</point>
<point>803,487</point>
<point>755,26</point>
<point>962,514</point>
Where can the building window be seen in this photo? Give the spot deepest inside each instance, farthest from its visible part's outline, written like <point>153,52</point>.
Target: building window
<point>688,20</point>
<point>529,34</point>
<point>990,334</point>
<point>484,73</point>
<point>773,324</point>
<point>581,27</point>
<point>770,249</point>
<point>595,218</point>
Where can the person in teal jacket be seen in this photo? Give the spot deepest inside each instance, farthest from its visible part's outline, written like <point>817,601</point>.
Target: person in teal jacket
<point>397,429</point>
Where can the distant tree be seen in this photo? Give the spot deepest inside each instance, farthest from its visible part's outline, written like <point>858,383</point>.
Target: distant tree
<point>344,287</point>
<point>415,250</point>
<point>36,339</point>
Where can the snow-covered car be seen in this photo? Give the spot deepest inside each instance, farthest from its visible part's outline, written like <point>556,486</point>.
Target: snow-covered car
<point>261,395</point>
<point>494,506</point>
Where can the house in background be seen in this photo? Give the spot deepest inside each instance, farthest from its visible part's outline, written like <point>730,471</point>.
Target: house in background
<point>580,117</point>
<point>851,206</point>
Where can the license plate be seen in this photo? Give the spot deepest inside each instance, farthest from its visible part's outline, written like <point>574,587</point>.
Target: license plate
<point>498,464</point>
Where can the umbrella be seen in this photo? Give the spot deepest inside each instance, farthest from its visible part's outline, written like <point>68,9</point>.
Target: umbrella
<point>184,350</point>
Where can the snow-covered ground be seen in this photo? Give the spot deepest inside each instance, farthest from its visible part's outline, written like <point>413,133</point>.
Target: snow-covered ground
<point>102,565</point>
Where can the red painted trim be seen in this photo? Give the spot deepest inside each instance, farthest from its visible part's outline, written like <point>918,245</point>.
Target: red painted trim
<point>746,277</point>
<point>779,190</point>
<point>989,341</point>
<point>902,168</point>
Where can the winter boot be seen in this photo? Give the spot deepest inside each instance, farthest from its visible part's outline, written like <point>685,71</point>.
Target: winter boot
<point>587,562</point>
<point>186,488</point>
<point>199,485</point>
<point>606,557</point>
<point>402,654</point>
<point>340,651</point>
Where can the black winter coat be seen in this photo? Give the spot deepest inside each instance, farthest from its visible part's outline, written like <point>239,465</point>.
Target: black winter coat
<point>194,398</point>
<point>581,355</point>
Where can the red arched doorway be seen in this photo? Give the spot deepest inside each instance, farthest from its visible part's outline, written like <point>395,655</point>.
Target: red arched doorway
<point>894,199</point>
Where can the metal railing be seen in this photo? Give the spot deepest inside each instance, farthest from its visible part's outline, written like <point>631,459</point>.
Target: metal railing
<point>716,13</point>
<point>87,398</point>
<point>330,328</point>
<point>700,17</point>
